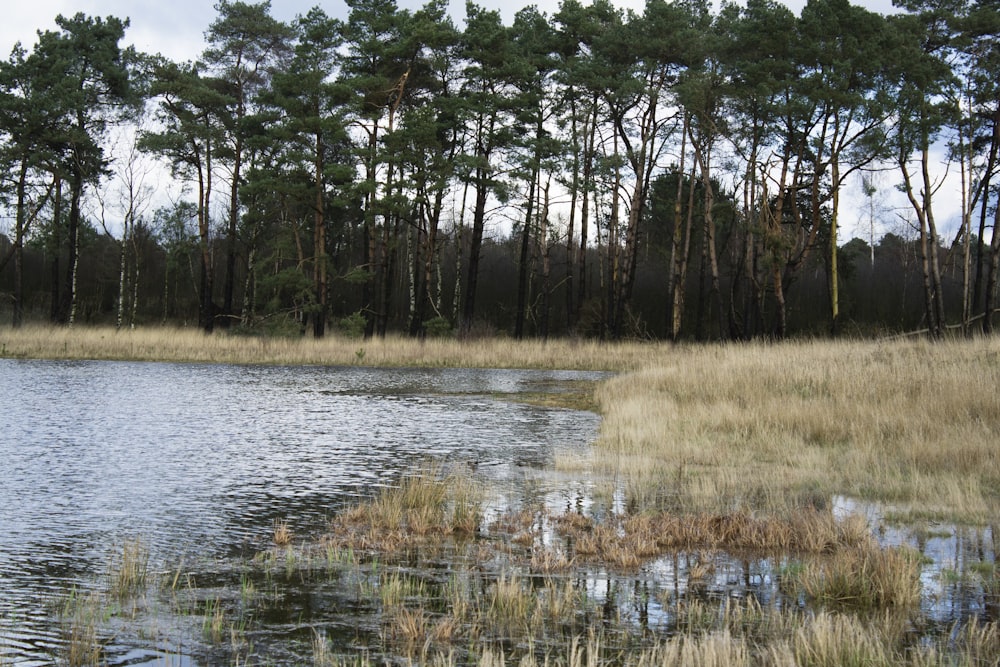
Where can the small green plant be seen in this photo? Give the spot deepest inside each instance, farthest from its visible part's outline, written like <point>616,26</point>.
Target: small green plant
<point>352,326</point>
<point>247,589</point>
<point>213,623</point>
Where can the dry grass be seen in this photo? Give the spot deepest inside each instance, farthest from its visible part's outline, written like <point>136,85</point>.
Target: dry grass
<point>281,534</point>
<point>128,574</point>
<point>865,578</point>
<point>191,345</point>
<point>625,543</point>
<point>751,428</point>
<point>425,504</point>
<point>82,618</point>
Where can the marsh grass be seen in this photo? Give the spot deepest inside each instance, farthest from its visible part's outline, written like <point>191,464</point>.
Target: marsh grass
<point>424,504</point>
<point>191,345</point>
<point>866,578</point>
<point>83,615</point>
<point>625,543</point>
<point>772,429</point>
<point>281,533</point>
<point>861,596</point>
<point>128,572</point>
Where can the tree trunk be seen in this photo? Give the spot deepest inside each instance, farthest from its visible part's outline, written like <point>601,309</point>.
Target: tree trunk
<point>523,262</point>
<point>472,268</point>
<point>55,248</point>
<point>319,244</point>
<point>206,317</point>
<point>679,253</point>
<point>571,223</point>
<point>588,176</point>
<point>939,314</point>
<point>834,274</point>
<point>930,312</point>
<point>18,249</point>
<point>543,223</point>
<point>994,273</point>
<point>424,268</point>
<point>123,256</point>
<point>984,301</point>
<point>67,305</point>
<point>234,218</point>
<point>703,157</point>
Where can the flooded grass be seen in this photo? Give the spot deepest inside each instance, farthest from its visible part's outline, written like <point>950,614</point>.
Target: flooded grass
<point>494,596</point>
<point>82,615</point>
<point>128,572</point>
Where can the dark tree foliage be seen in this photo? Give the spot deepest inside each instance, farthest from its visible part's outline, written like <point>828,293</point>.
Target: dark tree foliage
<point>675,173</point>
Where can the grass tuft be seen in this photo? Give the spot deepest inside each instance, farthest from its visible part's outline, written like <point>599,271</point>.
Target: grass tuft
<point>865,578</point>
<point>282,534</point>
<point>128,574</point>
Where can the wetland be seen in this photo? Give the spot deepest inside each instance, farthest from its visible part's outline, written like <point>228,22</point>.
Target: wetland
<point>228,514</point>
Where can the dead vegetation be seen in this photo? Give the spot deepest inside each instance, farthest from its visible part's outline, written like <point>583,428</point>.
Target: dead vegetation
<point>772,429</point>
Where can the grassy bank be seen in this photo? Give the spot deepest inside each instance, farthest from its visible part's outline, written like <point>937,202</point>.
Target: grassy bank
<point>191,345</point>
<point>912,425</point>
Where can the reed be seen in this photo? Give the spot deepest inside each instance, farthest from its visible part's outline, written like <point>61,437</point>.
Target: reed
<point>511,605</point>
<point>322,651</point>
<point>397,588</point>
<point>82,616</point>
<point>128,573</point>
<point>834,640</point>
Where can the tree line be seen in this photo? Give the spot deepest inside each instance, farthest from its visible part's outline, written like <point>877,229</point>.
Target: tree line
<point>674,173</point>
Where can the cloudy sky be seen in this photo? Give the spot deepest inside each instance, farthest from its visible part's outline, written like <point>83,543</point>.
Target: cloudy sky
<point>175,28</point>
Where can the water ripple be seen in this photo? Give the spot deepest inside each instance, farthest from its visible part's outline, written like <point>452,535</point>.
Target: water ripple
<point>198,460</point>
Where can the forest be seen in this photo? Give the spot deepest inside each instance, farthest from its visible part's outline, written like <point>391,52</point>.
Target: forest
<point>680,173</point>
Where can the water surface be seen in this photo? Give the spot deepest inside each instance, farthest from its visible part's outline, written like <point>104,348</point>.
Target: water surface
<point>199,460</point>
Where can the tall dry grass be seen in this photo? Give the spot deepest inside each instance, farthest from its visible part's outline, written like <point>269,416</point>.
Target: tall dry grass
<point>128,572</point>
<point>773,428</point>
<point>192,345</point>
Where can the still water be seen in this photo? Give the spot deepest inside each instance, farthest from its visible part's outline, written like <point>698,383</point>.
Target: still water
<point>200,460</point>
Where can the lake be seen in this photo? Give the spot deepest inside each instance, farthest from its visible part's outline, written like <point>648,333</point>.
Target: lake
<point>198,461</point>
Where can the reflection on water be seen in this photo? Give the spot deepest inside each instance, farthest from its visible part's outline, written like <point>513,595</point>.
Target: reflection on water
<point>952,589</point>
<point>199,460</point>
